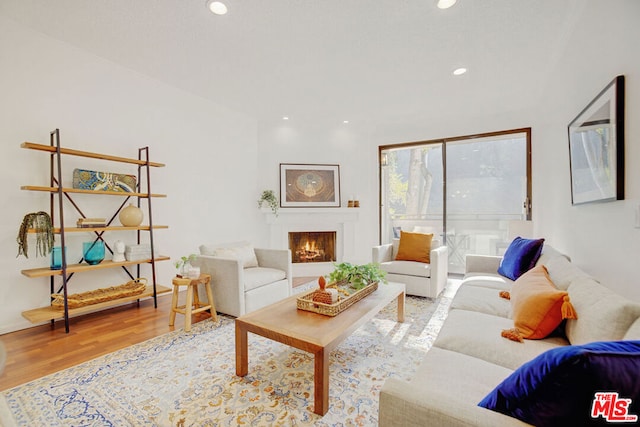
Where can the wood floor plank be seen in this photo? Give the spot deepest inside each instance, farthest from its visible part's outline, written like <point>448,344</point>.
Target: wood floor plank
<point>35,352</point>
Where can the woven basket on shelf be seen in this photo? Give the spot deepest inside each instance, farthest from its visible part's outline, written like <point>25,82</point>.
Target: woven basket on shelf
<point>129,289</point>
<point>305,301</point>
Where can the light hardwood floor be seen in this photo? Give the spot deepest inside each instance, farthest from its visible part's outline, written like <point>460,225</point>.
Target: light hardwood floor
<point>42,350</point>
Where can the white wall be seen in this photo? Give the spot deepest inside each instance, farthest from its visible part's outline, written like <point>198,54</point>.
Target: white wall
<point>209,151</point>
<point>601,43</point>
<point>600,238</point>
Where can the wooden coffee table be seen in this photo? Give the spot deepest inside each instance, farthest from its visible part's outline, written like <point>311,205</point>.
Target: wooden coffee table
<point>312,332</point>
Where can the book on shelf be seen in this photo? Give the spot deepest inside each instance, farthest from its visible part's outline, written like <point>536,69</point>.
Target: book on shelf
<point>92,222</point>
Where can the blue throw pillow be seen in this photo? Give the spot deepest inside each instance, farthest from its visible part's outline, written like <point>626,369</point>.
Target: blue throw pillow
<point>558,388</point>
<point>520,257</point>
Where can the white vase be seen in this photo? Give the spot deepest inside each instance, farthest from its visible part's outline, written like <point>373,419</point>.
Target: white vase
<point>131,216</point>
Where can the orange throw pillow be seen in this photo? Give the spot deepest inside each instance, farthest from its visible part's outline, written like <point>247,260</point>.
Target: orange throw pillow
<point>414,247</point>
<point>538,306</point>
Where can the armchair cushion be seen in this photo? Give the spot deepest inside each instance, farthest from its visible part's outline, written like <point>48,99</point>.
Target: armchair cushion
<point>410,268</point>
<point>414,247</point>
<point>242,251</point>
<point>260,276</point>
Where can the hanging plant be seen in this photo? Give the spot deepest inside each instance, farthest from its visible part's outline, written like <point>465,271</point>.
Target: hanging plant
<point>269,197</point>
<point>41,223</point>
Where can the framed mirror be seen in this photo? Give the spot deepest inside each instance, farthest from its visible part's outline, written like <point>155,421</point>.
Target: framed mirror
<point>596,147</point>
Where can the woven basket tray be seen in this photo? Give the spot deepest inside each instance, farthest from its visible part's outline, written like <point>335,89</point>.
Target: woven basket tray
<point>129,289</point>
<point>305,302</point>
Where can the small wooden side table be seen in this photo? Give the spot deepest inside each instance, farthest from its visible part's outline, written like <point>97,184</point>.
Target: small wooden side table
<point>192,304</point>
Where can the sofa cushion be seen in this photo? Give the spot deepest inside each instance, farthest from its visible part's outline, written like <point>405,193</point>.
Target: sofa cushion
<point>603,315</point>
<point>407,268</point>
<point>559,386</point>
<point>478,335</point>
<point>538,306</point>
<point>481,299</point>
<point>414,247</point>
<point>520,257</point>
<point>634,331</point>
<point>256,277</point>
<point>493,281</point>
<point>561,271</point>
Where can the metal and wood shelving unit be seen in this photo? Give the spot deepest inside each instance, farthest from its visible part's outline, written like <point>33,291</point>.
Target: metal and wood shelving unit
<point>59,194</point>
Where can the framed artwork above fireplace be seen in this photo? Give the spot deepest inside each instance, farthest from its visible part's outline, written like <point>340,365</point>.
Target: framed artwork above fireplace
<point>309,185</point>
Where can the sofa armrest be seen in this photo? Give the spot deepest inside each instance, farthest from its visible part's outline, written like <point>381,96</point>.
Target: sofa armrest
<point>409,405</point>
<point>439,258</point>
<point>382,253</point>
<point>227,281</point>
<point>482,263</point>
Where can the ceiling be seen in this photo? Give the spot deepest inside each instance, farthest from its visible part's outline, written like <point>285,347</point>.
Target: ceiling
<point>372,61</point>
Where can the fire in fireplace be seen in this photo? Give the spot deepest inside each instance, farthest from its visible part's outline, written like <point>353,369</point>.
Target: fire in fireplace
<point>312,246</point>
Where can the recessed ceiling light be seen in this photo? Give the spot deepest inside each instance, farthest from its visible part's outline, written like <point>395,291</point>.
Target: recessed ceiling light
<point>459,71</point>
<point>345,121</point>
<point>217,7</point>
<point>446,4</point>
<point>285,118</point>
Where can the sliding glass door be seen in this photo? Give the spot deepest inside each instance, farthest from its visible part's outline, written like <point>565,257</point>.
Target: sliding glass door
<point>472,192</point>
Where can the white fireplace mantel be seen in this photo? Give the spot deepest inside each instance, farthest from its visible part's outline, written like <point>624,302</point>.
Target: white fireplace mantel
<point>340,220</point>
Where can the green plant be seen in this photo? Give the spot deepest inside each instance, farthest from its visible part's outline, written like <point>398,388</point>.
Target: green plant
<point>269,197</point>
<point>41,223</point>
<point>358,276</point>
<point>183,261</point>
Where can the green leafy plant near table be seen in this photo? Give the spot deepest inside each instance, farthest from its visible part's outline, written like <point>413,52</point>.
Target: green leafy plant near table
<point>357,276</point>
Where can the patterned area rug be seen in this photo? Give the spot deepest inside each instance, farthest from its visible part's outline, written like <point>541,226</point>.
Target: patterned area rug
<point>188,379</point>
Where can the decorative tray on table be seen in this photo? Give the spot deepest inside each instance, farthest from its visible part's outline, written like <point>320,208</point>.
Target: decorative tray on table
<point>305,302</point>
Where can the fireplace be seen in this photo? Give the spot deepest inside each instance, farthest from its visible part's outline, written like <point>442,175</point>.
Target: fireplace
<point>312,246</point>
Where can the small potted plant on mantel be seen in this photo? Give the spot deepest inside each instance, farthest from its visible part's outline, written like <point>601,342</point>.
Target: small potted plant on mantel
<point>269,197</point>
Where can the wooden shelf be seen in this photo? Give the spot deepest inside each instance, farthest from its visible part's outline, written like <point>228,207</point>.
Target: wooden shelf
<point>51,149</point>
<point>44,314</point>
<point>55,151</point>
<point>75,268</point>
<point>109,228</point>
<point>81,191</point>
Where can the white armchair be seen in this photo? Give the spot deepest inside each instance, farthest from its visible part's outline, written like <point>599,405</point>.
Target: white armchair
<point>244,278</point>
<point>425,280</point>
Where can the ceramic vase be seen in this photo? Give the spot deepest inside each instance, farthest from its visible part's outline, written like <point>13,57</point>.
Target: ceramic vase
<point>131,216</point>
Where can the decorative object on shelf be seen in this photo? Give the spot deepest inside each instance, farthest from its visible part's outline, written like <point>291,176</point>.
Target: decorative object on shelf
<point>41,223</point>
<point>137,252</point>
<point>596,147</point>
<point>131,216</point>
<point>93,252</point>
<point>129,289</point>
<point>269,197</point>
<point>309,185</point>
<point>184,264</point>
<point>56,258</point>
<point>357,276</point>
<point>103,181</point>
<point>91,222</point>
<point>118,251</point>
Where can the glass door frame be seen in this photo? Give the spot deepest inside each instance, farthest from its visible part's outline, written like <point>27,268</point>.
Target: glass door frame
<point>443,141</point>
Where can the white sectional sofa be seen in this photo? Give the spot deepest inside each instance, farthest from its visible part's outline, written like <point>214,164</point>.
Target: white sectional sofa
<point>470,357</point>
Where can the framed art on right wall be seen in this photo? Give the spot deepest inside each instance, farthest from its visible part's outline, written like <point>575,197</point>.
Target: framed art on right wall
<point>596,147</point>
